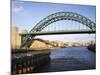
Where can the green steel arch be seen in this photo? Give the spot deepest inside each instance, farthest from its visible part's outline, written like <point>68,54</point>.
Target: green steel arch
<point>63,16</point>
<point>57,17</point>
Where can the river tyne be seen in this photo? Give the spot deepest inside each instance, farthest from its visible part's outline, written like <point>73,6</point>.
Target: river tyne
<point>69,59</point>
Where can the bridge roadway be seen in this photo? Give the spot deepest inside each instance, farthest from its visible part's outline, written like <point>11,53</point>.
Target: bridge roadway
<point>61,32</point>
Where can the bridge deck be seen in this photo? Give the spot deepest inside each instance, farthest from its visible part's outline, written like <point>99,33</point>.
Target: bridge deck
<point>60,32</point>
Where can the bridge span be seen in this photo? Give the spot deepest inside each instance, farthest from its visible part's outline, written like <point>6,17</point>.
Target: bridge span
<point>60,32</point>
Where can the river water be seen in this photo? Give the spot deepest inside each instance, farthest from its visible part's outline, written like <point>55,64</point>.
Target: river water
<point>69,59</point>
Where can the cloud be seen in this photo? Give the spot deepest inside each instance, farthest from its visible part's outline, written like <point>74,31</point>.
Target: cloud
<point>17,9</point>
<point>17,6</point>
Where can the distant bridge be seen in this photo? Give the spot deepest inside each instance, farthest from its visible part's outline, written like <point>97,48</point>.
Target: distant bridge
<point>70,16</point>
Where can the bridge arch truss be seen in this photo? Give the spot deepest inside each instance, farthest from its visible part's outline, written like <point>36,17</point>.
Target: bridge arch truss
<point>63,16</point>
<point>58,16</point>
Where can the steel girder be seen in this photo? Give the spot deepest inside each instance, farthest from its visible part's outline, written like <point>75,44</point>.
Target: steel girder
<point>63,16</point>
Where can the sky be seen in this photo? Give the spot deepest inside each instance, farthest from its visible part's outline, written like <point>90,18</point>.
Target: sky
<point>26,14</point>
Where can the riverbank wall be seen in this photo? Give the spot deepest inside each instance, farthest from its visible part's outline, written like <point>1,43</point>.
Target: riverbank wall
<point>23,63</point>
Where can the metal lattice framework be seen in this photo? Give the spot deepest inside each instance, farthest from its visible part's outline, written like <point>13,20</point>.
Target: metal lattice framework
<point>57,17</point>
<point>63,16</point>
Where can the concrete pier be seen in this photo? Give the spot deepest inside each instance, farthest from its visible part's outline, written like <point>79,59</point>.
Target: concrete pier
<point>23,63</point>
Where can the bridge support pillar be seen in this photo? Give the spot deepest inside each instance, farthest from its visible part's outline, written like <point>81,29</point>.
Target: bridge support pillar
<point>22,39</point>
